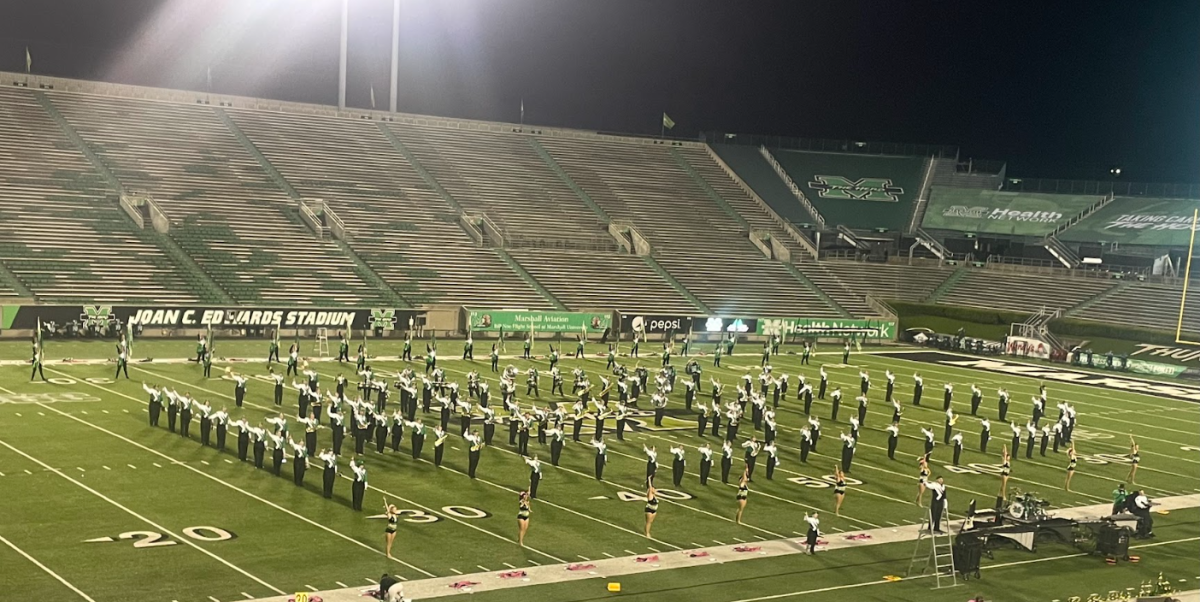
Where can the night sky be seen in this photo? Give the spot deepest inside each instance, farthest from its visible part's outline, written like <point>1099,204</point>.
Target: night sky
<point>1056,89</point>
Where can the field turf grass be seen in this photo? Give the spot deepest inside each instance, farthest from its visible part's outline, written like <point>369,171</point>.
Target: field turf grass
<point>188,523</point>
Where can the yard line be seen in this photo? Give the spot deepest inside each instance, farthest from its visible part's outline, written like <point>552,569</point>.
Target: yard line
<point>585,558</point>
<point>720,543</point>
<point>508,565</point>
<point>248,596</point>
<point>46,569</point>
<point>654,550</point>
<point>132,466</point>
<point>607,554</point>
<point>631,552</point>
<point>535,563</point>
<point>162,529</point>
<point>234,487</point>
<point>482,568</point>
<point>340,584</point>
<point>459,521</point>
<point>213,599</point>
<point>739,540</point>
<point>456,571</point>
<point>307,587</point>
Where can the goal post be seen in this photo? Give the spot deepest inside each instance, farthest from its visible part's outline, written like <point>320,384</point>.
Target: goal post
<point>1180,335</point>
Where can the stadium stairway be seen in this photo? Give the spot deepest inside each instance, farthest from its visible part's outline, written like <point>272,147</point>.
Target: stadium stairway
<point>11,286</point>
<point>198,280</point>
<point>529,279</point>
<point>675,284</point>
<point>861,308</point>
<point>708,189</point>
<point>566,179</point>
<point>361,267</point>
<point>1097,298</point>
<point>946,285</point>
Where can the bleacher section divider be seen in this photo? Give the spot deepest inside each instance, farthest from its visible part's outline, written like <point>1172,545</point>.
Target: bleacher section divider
<point>529,279</point>
<point>791,184</point>
<point>566,179</point>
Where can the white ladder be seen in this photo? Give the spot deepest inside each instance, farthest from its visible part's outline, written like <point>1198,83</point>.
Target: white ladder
<point>940,554</point>
<point>322,342</point>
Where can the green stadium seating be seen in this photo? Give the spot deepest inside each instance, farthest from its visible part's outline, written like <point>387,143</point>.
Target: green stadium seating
<point>62,233</point>
<point>226,213</point>
<point>1002,212</point>
<point>754,170</point>
<point>1137,221</point>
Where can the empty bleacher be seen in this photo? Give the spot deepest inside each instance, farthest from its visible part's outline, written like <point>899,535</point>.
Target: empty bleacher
<point>1144,305</point>
<point>993,289</point>
<point>850,282</point>
<point>502,175</point>
<point>583,280</point>
<point>62,233</point>
<point>754,170</point>
<point>225,210</point>
<point>400,226</point>
<point>882,189</point>
<point>705,249</point>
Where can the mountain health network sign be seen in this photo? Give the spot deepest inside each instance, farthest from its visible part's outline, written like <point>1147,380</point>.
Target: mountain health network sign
<point>869,329</point>
<point>520,320</point>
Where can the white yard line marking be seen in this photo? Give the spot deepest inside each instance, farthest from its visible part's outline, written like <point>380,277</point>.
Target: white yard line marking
<point>632,553</point>
<point>41,414</point>
<point>27,471</point>
<point>607,554</point>
<point>230,485</point>
<point>888,522</point>
<point>204,462</point>
<point>585,558</point>
<point>482,568</point>
<point>721,543</point>
<point>248,596</point>
<point>513,567</point>
<point>80,469</point>
<point>344,585</point>
<point>132,466</point>
<point>213,599</point>
<point>370,580</point>
<point>307,587</point>
<point>157,465</point>
<point>739,540</point>
<point>228,461</point>
<point>162,529</point>
<point>456,571</point>
<point>106,468</point>
<point>654,550</point>
<point>105,411</point>
<point>535,563</point>
<point>46,569</point>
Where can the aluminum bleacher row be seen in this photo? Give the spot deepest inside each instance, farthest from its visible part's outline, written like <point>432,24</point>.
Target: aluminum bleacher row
<point>230,181</point>
<point>61,233</point>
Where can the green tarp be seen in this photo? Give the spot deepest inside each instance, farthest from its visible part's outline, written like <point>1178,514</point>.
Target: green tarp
<point>1137,221</point>
<point>998,212</point>
<point>857,191</point>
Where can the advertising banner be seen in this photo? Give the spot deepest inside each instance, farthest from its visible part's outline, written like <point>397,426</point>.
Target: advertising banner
<point>869,329</point>
<point>1026,347</point>
<point>1137,221</point>
<point>655,324</point>
<point>725,324</point>
<point>1155,368</point>
<point>152,316</point>
<point>1001,212</point>
<point>521,320</point>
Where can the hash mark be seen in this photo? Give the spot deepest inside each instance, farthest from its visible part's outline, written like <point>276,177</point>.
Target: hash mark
<point>739,540</point>
<point>654,550</point>
<point>607,554</point>
<point>720,543</point>
<point>308,587</point>
<point>585,558</point>
<point>248,596</point>
<point>157,464</point>
<point>80,469</point>
<point>341,584</point>
<point>631,552</point>
<point>204,462</point>
<point>483,568</point>
<point>107,468</point>
<point>456,571</point>
<point>132,466</point>
<point>105,411</point>
<point>508,565</point>
<point>213,599</point>
<point>370,580</point>
<point>535,563</point>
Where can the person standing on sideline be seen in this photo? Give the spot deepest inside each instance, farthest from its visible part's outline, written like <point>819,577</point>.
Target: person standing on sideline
<point>1119,497</point>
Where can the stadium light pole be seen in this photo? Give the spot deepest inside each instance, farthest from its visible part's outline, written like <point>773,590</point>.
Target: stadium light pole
<point>342,57</point>
<point>395,54</point>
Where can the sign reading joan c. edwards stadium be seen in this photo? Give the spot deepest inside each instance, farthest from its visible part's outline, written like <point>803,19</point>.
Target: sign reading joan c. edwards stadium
<point>521,320</point>
<point>26,316</point>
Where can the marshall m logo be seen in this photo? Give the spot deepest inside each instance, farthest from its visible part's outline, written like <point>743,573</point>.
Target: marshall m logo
<point>862,189</point>
<point>95,315</point>
<point>384,319</point>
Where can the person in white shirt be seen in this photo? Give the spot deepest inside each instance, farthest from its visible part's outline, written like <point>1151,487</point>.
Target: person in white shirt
<point>929,436</point>
<point>948,396</point>
<point>330,472</point>
<point>957,441</point>
<point>677,465</point>
<point>939,504</point>
<point>985,433</point>
<point>651,462</point>
<point>814,530</point>
<point>535,474</point>
<point>705,462</point>
<point>1141,508</point>
<point>601,455</point>
<point>360,483</point>
<point>893,431</point>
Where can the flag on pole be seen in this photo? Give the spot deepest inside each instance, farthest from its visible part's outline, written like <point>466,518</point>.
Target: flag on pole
<point>208,77</point>
<point>522,110</point>
<point>275,338</point>
<point>37,337</point>
<point>212,348</point>
<point>372,96</point>
<point>667,122</point>
<point>129,338</point>
<point>28,60</point>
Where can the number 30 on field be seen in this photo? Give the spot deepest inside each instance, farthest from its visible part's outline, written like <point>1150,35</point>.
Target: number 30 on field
<point>62,380</point>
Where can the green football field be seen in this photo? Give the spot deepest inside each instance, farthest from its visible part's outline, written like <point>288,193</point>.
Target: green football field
<point>97,505</point>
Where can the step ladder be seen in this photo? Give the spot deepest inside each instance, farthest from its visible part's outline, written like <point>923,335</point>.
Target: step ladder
<point>322,342</point>
<point>940,553</point>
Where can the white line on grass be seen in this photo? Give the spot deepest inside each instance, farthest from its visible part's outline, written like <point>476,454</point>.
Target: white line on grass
<point>340,584</point>
<point>456,571</point>
<point>307,587</point>
<point>46,569</point>
<point>213,599</point>
<point>482,568</point>
<point>161,528</point>
<point>132,466</point>
<point>607,554</point>
<point>248,596</point>
<point>508,565</point>
<point>585,558</point>
<point>234,487</point>
<point>535,563</point>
